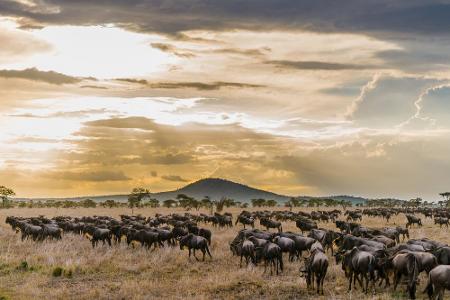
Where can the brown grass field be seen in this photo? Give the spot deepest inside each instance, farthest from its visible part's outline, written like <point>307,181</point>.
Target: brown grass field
<point>124,273</point>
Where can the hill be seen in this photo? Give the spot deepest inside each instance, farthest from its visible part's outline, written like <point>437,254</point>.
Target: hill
<point>354,200</point>
<point>215,188</point>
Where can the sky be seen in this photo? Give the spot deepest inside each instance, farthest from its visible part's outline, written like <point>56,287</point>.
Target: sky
<point>297,97</point>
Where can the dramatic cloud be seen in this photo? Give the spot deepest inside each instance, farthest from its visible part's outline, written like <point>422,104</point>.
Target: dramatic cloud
<point>316,65</point>
<point>172,17</point>
<point>175,178</point>
<point>99,176</point>
<point>298,97</point>
<point>202,86</point>
<point>35,74</point>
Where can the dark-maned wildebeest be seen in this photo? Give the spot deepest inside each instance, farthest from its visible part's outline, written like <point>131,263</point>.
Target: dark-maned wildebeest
<point>195,242</point>
<point>272,255</point>
<point>271,224</point>
<point>403,231</point>
<point>443,255</point>
<point>246,250</point>
<point>406,264</point>
<point>145,237</point>
<point>305,224</point>
<point>441,221</point>
<point>438,282</point>
<point>316,265</point>
<point>411,219</point>
<point>286,245</point>
<point>101,234</point>
<point>245,221</point>
<point>358,263</point>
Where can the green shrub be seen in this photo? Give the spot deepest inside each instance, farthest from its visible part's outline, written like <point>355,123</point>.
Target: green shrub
<point>23,266</point>
<point>57,272</point>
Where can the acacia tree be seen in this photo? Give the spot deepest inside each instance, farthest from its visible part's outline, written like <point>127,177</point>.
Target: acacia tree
<point>446,197</point>
<point>170,203</point>
<point>4,194</point>
<point>258,202</point>
<point>136,196</point>
<point>271,203</point>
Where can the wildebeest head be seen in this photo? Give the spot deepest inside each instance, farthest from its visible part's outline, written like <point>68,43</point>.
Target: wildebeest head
<point>185,240</point>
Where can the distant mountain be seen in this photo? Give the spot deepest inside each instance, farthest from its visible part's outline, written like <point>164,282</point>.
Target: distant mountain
<point>215,188</point>
<point>354,200</point>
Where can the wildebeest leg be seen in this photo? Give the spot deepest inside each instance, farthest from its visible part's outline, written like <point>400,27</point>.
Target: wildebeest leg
<point>93,243</point>
<point>397,277</point>
<point>189,252</point>
<point>322,280</point>
<point>240,264</point>
<point>350,278</point>
<point>195,256</point>
<point>318,279</point>
<point>364,276</point>
<point>109,241</point>
<point>204,252</point>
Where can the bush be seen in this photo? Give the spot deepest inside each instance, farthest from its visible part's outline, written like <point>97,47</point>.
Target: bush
<point>68,273</point>
<point>57,272</point>
<point>23,266</point>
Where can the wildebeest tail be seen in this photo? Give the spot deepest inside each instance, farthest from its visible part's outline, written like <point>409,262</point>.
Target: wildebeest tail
<point>207,250</point>
<point>412,275</point>
<point>372,269</point>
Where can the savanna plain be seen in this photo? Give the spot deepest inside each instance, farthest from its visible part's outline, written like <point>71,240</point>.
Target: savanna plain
<point>72,269</point>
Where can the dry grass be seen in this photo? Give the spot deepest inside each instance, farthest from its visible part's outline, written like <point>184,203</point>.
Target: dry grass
<point>123,273</point>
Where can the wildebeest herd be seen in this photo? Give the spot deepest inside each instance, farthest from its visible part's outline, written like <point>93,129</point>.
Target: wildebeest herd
<point>369,257</point>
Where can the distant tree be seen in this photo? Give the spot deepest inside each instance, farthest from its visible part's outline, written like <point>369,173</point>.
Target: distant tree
<point>5,193</point>
<point>152,203</point>
<point>170,203</point>
<point>136,196</point>
<point>244,205</point>
<point>110,203</point>
<point>88,203</point>
<point>416,202</point>
<point>271,203</point>
<point>260,202</point>
<point>344,204</point>
<point>446,197</point>
<point>187,202</point>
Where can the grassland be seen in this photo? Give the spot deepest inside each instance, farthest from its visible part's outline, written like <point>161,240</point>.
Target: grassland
<point>28,269</point>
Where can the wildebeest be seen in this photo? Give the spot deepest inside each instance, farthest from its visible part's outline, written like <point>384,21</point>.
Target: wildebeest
<point>272,255</point>
<point>195,242</point>
<point>438,282</point>
<point>442,255</point>
<point>271,224</point>
<point>245,221</point>
<point>246,249</point>
<point>411,219</point>
<point>356,264</point>
<point>146,238</point>
<point>403,231</point>
<point>305,224</point>
<point>406,264</point>
<point>286,245</point>
<point>441,221</point>
<point>316,265</point>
